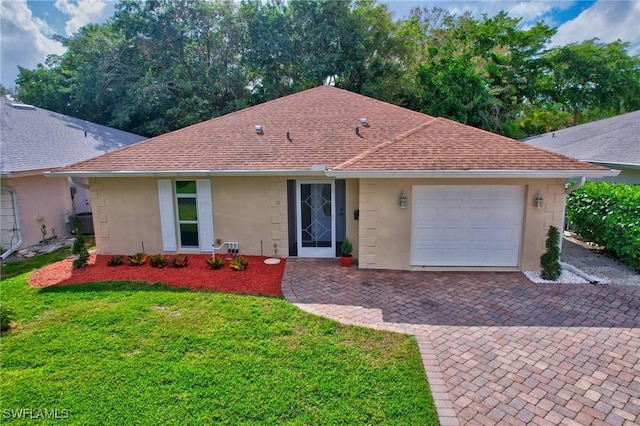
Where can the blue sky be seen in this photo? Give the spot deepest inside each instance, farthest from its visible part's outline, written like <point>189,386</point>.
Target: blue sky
<point>28,25</point>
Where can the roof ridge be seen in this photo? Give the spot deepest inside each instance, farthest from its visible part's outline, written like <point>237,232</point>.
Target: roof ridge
<point>384,144</point>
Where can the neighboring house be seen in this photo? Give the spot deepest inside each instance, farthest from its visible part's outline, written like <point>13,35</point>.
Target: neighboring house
<point>612,142</point>
<point>302,172</point>
<point>33,141</point>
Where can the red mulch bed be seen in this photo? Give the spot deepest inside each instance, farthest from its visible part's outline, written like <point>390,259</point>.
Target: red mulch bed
<point>258,278</point>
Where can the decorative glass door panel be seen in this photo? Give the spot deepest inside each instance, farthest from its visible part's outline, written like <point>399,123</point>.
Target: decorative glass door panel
<point>316,219</point>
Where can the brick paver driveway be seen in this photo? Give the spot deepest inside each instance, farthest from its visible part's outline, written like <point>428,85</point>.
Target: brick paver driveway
<point>497,348</point>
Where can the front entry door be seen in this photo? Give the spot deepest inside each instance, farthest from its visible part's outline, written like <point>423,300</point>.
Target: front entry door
<point>316,219</point>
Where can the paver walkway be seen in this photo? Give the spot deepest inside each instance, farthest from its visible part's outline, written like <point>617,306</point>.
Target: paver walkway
<point>497,348</point>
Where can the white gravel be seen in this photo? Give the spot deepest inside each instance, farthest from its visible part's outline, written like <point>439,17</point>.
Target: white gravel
<point>565,278</point>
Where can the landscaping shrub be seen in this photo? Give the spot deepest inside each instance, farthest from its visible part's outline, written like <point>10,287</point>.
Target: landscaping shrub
<point>6,318</point>
<point>239,263</point>
<point>78,248</point>
<point>550,260</point>
<point>179,261</point>
<point>137,259</point>
<point>158,261</point>
<point>215,262</point>
<point>115,261</point>
<point>608,214</point>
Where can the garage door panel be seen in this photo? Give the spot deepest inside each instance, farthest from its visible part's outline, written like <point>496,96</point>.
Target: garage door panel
<point>466,225</point>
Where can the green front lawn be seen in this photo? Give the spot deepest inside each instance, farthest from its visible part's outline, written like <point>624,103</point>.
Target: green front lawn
<point>125,353</point>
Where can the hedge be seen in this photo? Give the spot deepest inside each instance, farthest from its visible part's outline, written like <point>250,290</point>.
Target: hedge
<point>608,214</point>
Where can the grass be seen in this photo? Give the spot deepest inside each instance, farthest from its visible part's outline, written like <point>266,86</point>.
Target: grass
<point>13,268</point>
<point>124,353</point>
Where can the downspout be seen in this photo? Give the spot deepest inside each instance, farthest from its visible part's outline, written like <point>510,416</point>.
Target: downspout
<point>566,266</point>
<point>75,184</point>
<point>18,228</point>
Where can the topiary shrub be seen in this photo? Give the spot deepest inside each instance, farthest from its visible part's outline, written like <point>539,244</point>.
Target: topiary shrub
<point>550,261</point>
<point>78,247</point>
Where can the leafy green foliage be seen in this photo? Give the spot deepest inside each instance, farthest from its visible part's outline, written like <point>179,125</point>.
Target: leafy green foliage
<point>158,261</point>
<point>239,263</point>
<point>158,66</point>
<point>115,261</point>
<point>179,261</point>
<point>137,259</point>
<point>608,214</point>
<point>7,316</point>
<point>211,357</point>
<point>346,248</point>
<point>550,260</point>
<point>215,262</point>
<point>592,74</point>
<point>78,247</point>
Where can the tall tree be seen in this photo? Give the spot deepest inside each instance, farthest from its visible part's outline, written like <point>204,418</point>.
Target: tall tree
<point>593,75</point>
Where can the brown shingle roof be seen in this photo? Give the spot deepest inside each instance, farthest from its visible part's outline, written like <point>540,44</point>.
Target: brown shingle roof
<point>322,123</point>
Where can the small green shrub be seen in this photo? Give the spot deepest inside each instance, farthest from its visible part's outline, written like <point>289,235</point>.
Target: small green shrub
<point>608,214</point>
<point>158,261</point>
<point>115,261</point>
<point>137,259</point>
<point>239,263</point>
<point>179,261</point>
<point>78,248</point>
<point>550,261</point>
<point>346,248</point>
<point>215,262</point>
<point>7,316</point>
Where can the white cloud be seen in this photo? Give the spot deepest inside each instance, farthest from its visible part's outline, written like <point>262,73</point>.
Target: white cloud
<point>23,42</point>
<point>43,26</point>
<point>82,12</point>
<point>607,21</point>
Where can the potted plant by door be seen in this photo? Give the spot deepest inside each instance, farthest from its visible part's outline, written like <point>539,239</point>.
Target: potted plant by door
<point>345,252</point>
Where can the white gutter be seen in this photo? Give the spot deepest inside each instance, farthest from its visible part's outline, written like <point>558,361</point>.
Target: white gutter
<point>578,185</point>
<point>18,228</point>
<point>75,184</point>
<point>564,265</point>
<point>192,173</point>
<point>536,174</point>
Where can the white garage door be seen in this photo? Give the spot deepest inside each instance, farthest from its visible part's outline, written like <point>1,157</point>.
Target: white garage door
<point>466,225</point>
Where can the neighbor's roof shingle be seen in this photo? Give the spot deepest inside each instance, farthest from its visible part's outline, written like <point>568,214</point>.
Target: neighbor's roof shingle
<point>36,139</point>
<point>322,123</point>
<point>612,140</point>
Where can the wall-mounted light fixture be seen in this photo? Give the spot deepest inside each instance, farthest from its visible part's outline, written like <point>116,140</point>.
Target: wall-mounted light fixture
<point>403,200</point>
<point>538,200</point>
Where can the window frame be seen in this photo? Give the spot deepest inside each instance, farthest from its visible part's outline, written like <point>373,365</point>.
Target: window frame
<point>176,197</point>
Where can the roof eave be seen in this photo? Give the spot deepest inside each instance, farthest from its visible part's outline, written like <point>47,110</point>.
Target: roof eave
<point>615,164</point>
<point>472,173</point>
<point>350,173</point>
<point>192,173</point>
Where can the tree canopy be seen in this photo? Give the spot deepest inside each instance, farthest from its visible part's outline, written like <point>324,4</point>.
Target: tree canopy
<point>160,65</point>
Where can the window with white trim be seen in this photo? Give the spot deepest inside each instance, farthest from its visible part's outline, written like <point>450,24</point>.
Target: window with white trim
<point>187,213</point>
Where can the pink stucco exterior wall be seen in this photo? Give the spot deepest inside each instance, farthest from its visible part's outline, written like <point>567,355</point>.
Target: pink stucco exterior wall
<point>41,201</point>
